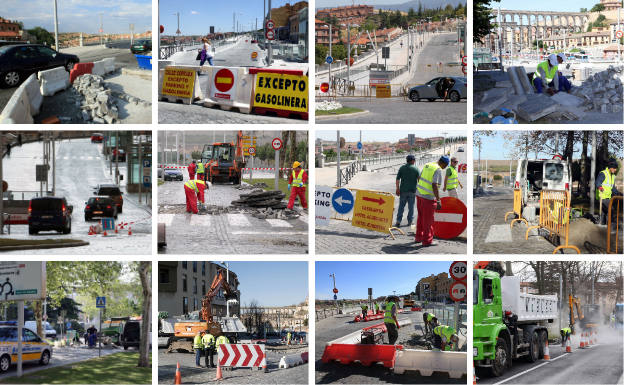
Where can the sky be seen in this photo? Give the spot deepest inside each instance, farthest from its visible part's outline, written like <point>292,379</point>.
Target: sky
<point>354,278</point>
<point>383,135</point>
<point>496,148</point>
<point>539,5</point>
<point>81,15</point>
<point>272,283</point>
<point>196,16</point>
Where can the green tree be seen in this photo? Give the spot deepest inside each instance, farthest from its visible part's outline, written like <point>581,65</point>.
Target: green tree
<point>320,53</point>
<point>482,23</point>
<point>144,270</point>
<point>583,10</point>
<point>196,155</point>
<point>598,8</point>
<point>42,35</point>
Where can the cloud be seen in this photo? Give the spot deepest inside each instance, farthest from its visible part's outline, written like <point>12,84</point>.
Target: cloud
<point>194,13</point>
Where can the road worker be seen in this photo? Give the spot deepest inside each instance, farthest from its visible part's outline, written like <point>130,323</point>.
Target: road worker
<point>200,171</point>
<point>428,199</point>
<point>191,190</point>
<point>201,187</point>
<point>364,310</point>
<point>220,340</point>
<point>208,340</point>
<point>547,76</point>
<point>451,180</point>
<point>376,308</point>
<point>605,188</point>
<point>565,336</point>
<point>191,169</point>
<point>444,338</point>
<point>297,186</point>
<point>430,321</point>
<point>390,319</point>
<point>198,346</point>
<point>288,337</point>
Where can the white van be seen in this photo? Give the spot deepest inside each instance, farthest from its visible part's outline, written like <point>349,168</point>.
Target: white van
<point>48,331</point>
<point>533,175</point>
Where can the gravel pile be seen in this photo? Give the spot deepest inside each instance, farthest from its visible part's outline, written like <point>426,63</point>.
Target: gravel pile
<point>262,199</point>
<point>602,91</point>
<point>98,104</point>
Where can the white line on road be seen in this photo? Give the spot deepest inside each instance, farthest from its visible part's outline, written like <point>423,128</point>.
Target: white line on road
<point>267,233</point>
<point>278,223</point>
<point>238,220</point>
<point>529,370</point>
<point>166,219</point>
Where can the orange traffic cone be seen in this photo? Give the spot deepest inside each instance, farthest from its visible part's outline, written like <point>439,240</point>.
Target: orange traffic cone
<point>582,345</point>
<point>474,376</point>
<point>116,230</point>
<point>546,352</point>
<point>264,368</point>
<point>105,234</point>
<point>219,375</point>
<point>568,347</point>
<point>129,231</point>
<point>91,230</point>
<point>178,376</point>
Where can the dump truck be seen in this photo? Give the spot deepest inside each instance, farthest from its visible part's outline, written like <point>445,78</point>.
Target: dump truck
<point>508,323</point>
<point>224,162</point>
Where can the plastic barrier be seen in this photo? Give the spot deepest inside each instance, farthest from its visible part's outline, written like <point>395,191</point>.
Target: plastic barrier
<point>429,361</point>
<point>179,86</point>
<point>517,208</point>
<point>80,69</point>
<point>228,88</point>
<point>31,85</point>
<point>555,217</point>
<point>293,360</point>
<point>364,354</point>
<point>53,80</point>
<point>283,92</point>
<point>618,212</point>
<point>99,68</point>
<point>17,110</point>
<point>242,355</point>
<point>371,317</point>
<point>109,64</point>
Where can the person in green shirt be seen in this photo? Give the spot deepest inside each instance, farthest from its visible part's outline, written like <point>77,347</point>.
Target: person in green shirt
<point>406,181</point>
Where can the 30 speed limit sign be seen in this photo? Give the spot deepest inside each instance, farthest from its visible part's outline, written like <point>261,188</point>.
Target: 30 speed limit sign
<point>459,270</point>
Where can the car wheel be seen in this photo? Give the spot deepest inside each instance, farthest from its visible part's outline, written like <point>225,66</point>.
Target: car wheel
<point>414,97</point>
<point>31,231</point>
<point>500,358</point>
<point>454,96</point>
<point>69,66</point>
<point>45,358</point>
<point>125,347</point>
<point>5,363</point>
<point>11,78</point>
<point>120,209</point>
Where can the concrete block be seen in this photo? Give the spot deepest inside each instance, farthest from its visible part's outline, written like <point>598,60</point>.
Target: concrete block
<point>515,81</point>
<point>293,360</point>
<point>99,68</point>
<point>566,99</point>
<point>31,85</point>
<point>537,106</point>
<point>491,104</point>
<point>54,80</point>
<point>503,84</point>
<point>109,65</point>
<point>242,94</point>
<point>429,361</point>
<point>17,110</point>
<point>524,80</point>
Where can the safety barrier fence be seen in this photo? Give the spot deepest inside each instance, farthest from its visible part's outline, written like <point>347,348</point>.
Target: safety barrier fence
<point>166,51</point>
<point>555,218</point>
<point>613,248</point>
<point>517,208</point>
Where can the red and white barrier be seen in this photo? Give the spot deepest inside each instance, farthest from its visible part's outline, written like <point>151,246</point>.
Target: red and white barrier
<point>293,360</point>
<point>242,355</point>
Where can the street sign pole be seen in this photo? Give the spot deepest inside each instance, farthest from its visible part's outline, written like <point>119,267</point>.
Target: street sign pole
<point>56,45</point>
<point>20,325</point>
<point>277,153</point>
<point>252,159</point>
<point>338,178</point>
<point>456,316</point>
<point>99,339</point>
<point>270,47</point>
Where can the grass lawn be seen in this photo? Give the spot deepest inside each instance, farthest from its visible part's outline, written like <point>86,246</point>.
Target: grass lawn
<point>340,111</point>
<point>117,368</point>
<point>283,186</point>
<point>31,242</point>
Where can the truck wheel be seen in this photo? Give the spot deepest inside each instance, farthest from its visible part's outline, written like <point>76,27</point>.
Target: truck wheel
<point>543,339</point>
<point>500,358</point>
<point>534,348</point>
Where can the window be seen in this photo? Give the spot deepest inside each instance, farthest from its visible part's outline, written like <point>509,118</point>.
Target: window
<point>8,334</point>
<point>184,265</point>
<point>488,293</point>
<point>203,268</point>
<point>45,51</point>
<point>185,308</point>
<point>194,285</point>
<point>203,288</point>
<point>164,276</point>
<point>184,282</point>
<point>194,304</point>
<point>194,267</point>
<point>553,171</point>
<point>29,336</point>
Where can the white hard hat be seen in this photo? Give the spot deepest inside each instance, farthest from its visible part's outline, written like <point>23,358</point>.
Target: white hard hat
<point>552,59</point>
<point>562,56</point>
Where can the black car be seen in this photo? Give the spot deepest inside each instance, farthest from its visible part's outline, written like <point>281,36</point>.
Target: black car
<point>112,191</point>
<point>18,61</point>
<point>100,207</point>
<point>131,335</point>
<point>49,213</point>
<point>173,174</point>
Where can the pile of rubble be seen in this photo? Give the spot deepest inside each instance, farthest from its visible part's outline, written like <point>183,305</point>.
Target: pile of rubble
<point>246,186</point>
<point>259,198</point>
<point>98,104</point>
<point>602,92</point>
<point>328,105</point>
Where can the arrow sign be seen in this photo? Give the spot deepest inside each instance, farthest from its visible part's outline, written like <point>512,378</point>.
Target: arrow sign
<point>379,200</point>
<point>342,201</point>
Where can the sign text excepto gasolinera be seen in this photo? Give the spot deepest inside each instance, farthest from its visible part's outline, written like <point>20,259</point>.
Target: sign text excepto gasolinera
<point>178,82</point>
<point>281,92</point>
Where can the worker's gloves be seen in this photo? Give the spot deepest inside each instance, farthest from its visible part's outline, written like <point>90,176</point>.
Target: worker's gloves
<point>289,187</point>
<point>300,184</point>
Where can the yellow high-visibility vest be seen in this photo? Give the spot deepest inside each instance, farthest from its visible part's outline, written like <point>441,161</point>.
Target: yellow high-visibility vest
<point>425,183</point>
<point>452,181</point>
<point>607,185</point>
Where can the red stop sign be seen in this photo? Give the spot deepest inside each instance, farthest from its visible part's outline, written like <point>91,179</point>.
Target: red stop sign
<point>324,87</point>
<point>451,220</point>
<point>335,291</point>
<point>162,29</point>
<point>224,80</point>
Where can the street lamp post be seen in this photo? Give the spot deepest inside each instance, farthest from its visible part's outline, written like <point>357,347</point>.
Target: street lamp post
<point>56,44</point>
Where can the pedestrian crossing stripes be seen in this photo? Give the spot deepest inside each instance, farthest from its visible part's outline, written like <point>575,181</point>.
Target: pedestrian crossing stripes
<point>238,220</point>
<point>240,223</point>
<point>278,223</point>
<point>201,220</point>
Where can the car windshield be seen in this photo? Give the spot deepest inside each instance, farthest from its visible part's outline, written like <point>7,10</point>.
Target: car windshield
<point>109,191</point>
<point>46,204</point>
<point>99,200</point>
<point>433,81</point>
<point>554,171</point>
<point>4,49</point>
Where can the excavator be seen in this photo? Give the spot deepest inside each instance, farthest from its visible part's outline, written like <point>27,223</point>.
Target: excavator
<point>224,161</point>
<point>588,315</point>
<point>185,330</point>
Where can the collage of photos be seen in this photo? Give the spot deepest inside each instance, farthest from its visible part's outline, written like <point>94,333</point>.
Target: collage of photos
<point>302,191</point>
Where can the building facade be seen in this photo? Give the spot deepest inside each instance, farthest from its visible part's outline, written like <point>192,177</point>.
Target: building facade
<point>434,288</point>
<point>352,14</point>
<point>182,285</point>
<point>321,33</point>
<point>10,30</point>
<point>276,318</point>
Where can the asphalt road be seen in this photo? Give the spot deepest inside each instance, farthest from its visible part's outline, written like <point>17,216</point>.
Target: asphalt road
<point>598,364</point>
<point>441,48</point>
<point>80,167</point>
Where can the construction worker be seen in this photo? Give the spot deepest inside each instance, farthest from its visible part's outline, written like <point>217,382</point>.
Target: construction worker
<point>191,169</point>
<point>297,182</point>
<point>547,75</point>
<point>201,186</point>
<point>428,199</point>
<point>288,336</point>
<point>376,308</point>
<point>200,171</point>
<point>443,337</point>
<point>605,188</point>
<point>451,180</point>
<point>406,181</point>
<point>430,321</point>
<point>220,340</point>
<point>364,310</point>
<point>390,320</point>
<point>191,190</point>
<point>198,346</point>
<point>208,341</point>
<point>565,336</point>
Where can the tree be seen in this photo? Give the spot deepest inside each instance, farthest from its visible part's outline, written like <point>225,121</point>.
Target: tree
<point>482,23</point>
<point>42,36</point>
<point>144,270</point>
<point>196,155</point>
<point>583,10</point>
<point>598,8</point>
<point>320,53</point>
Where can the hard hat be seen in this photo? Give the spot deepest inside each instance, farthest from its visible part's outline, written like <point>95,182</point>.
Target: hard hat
<point>562,56</point>
<point>552,59</point>
<point>612,163</point>
<point>296,164</point>
<point>445,159</point>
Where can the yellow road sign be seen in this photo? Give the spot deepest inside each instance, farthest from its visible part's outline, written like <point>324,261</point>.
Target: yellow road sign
<point>383,91</point>
<point>373,211</point>
<point>179,82</point>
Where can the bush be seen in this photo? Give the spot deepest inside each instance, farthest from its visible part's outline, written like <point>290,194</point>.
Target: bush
<point>498,177</point>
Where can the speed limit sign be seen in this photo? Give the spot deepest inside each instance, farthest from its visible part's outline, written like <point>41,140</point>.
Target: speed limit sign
<point>464,60</point>
<point>459,270</point>
<point>276,143</point>
<point>252,151</point>
<point>619,34</point>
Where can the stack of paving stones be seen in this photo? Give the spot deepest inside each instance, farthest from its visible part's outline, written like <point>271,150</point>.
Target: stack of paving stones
<point>98,105</point>
<point>602,91</point>
<point>259,198</point>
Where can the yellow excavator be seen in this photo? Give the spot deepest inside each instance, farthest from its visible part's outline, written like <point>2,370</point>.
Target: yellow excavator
<point>587,315</point>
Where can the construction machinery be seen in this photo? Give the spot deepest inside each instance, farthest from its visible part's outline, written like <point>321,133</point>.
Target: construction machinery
<point>588,315</point>
<point>184,330</point>
<point>508,323</point>
<point>224,161</point>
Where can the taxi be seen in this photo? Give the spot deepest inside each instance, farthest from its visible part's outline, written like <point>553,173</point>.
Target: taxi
<point>34,348</point>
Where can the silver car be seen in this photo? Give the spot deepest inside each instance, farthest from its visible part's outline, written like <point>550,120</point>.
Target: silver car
<point>432,90</point>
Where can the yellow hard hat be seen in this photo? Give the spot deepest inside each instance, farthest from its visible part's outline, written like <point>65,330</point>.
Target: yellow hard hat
<point>296,164</point>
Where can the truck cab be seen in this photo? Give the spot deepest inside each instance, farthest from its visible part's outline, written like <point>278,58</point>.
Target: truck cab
<point>222,163</point>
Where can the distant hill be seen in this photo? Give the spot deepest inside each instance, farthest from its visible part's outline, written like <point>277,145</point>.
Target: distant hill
<point>430,4</point>
<point>280,15</point>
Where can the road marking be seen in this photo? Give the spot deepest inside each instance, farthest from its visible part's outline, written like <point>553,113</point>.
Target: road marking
<point>529,370</point>
<point>448,217</point>
<point>266,233</point>
<point>166,219</point>
<point>499,233</point>
<point>278,223</point>
<point>200,220</point>
<point>238,220</point>
<point>66,158</point>
<point>90,158</point>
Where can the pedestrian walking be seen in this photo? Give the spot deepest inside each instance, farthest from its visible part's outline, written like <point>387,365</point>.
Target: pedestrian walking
<point>297,186</point>
<point>390,320</point>
<point>428,199</point>
<point>191,169</point>
<point>198,347</point>
<point>406,182</point>
<point>206,52</point>
<point>208,341</point>
<point>451,180</point>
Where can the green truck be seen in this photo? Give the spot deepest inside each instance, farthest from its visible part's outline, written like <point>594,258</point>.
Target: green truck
<point>114,328</point>
<point>508,323</point>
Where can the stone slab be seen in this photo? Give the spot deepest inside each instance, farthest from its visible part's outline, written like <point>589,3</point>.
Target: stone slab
<point>537,106</point>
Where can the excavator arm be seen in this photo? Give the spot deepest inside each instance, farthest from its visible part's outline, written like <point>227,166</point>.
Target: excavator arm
<point>573,301</point>
<point>219,282</point>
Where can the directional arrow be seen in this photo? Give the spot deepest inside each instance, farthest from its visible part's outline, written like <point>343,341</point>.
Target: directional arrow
<point>226,355</point>
<point>341,200</point>
<point>380,201</point>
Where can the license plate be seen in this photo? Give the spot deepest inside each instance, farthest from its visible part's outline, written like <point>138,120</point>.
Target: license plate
<point>97,212</point>
<point>46,216</point>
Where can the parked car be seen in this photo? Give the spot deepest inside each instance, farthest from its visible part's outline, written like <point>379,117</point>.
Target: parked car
<point>38,350</point>
<point>131,335</point>
<point>460,149</point>
<point>100,207</point>
<point>173,174</point>
<point>122,154</point>
<point>97,137</point>
<point>49,213</point>
<point>430,90</point>
<point>48,330</point>
<point>18,61</point>
<point>112,191</point>
<point>141,46</point>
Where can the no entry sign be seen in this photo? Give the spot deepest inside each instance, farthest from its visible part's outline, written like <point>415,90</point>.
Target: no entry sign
<point>224,81</point>
<point>276,144</point>
<point>451,221</point>
<point>458,291</point>
<point>324,87</point>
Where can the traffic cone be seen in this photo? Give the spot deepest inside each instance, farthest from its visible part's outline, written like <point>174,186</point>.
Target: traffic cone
<point>264,368</point>
<point>116,230</point>
<point>582,345</point>
<point>546,352</point>
<point>474,376</point>
<point>91,230</point>
<point>568,347</point>
<point>219,375</point>
<point>129,230</point>
<point>105,234</point>
<point>178,376</point>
